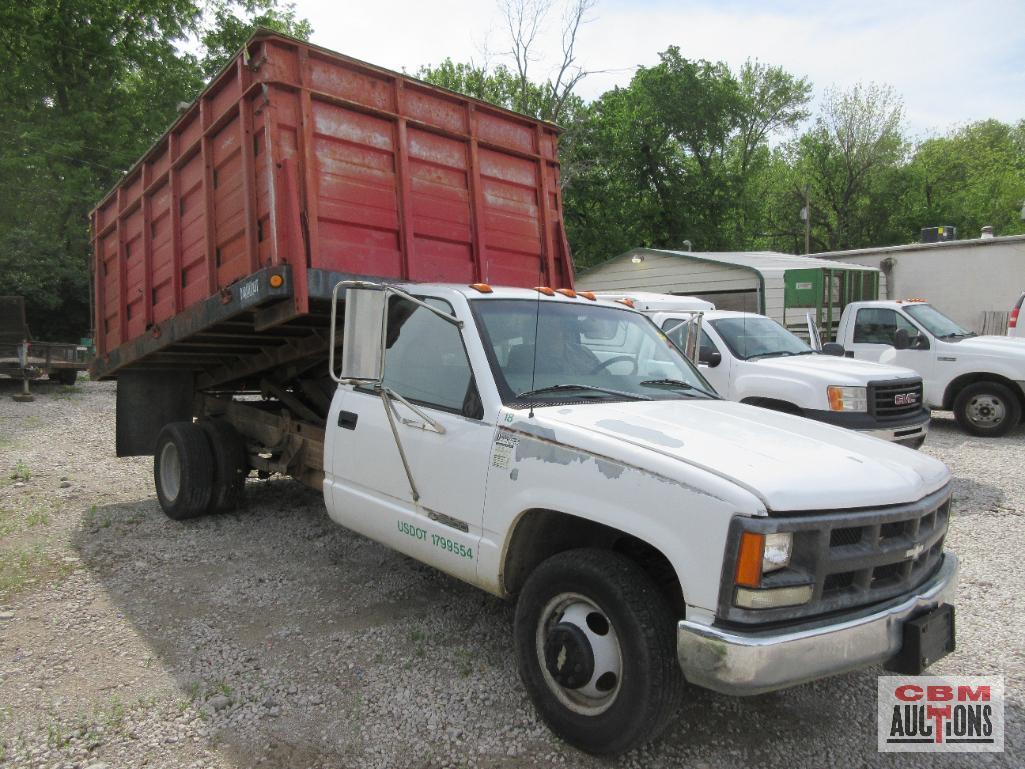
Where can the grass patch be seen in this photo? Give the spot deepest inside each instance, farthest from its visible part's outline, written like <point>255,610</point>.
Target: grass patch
<point>25,566</point>
<point>21,471</point>
<point>38,517</point>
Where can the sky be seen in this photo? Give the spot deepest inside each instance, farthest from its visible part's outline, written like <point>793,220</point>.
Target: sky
<point>952,61</point>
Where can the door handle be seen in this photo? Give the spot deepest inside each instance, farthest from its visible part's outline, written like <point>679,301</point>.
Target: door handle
<point>347,419</point>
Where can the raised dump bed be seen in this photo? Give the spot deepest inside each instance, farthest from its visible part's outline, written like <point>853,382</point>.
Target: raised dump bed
<point>216,254</point>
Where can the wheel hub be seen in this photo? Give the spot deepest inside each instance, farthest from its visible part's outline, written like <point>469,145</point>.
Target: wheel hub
<point>985,410</point>
<point>579,653</point>
<point>568,656</point>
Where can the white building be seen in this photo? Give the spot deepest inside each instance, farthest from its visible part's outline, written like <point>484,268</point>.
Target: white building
<point>975,282</point>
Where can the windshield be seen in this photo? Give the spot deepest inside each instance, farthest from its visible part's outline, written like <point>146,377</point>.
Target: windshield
<point>584,352</point>
<point>935,322</point>
<point>758,337</point>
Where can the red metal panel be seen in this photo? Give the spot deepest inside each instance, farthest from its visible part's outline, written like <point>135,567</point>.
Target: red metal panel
<point>305,157</point>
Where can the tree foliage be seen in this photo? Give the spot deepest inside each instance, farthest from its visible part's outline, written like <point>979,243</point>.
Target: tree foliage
<point>85,87</point>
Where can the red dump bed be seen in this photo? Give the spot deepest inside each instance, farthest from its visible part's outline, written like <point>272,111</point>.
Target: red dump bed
<point>301,158</point>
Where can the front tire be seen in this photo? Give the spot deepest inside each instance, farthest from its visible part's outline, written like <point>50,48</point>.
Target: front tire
<point>987,409</point>
<point>183,470</point>
<point>596,650</point>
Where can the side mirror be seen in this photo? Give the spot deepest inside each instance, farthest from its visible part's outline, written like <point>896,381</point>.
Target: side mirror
<point>363,335</point>
<point>832,348</point>
<point>902,339</point>
<point>710,357</point>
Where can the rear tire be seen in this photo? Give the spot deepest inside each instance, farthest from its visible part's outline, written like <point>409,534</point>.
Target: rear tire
<point>231,465</point>
<point>183,470</point>
<point>987,409</point>
<point>595,615</point>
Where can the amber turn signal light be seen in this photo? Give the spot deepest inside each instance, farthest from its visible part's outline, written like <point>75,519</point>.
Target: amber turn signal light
<point>749,559</point>
<point>276,281</point>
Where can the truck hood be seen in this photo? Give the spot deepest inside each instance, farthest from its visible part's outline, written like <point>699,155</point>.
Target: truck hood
<point>830,369</point>
<point>992,346</point>
<point>790,463</point>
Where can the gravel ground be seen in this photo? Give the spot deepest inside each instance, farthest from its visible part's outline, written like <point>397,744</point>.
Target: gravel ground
<point>274,638</point>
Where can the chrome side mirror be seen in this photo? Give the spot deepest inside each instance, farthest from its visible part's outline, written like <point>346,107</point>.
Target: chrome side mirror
<point>362,334</point>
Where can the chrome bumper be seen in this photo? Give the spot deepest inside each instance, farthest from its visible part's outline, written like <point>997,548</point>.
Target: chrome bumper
<point>906,432</point>
<point>751,663</point>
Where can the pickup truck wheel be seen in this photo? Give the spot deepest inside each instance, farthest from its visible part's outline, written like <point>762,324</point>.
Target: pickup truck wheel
<point>595,647</point>
<point>183,470</point>
<point>987,409</point>
<point>231,465</point>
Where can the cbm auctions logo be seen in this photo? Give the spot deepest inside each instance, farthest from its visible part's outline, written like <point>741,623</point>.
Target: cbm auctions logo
<point>930,714</point>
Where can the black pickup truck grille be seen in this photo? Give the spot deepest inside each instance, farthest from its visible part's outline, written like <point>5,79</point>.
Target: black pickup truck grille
<point>893,400</point>
<point>855,558</point>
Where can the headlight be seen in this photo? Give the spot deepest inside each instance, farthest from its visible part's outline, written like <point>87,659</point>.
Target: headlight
<point>847,398</point>
<point>778,548</point>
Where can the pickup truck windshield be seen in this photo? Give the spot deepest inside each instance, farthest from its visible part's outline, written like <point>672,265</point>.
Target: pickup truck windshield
<point>584,352</point>
<point>935,322</point>
<point>758,337</point>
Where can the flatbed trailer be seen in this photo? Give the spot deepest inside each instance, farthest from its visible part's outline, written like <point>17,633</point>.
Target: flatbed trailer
<point>26,359</point>
<point>296,168</point>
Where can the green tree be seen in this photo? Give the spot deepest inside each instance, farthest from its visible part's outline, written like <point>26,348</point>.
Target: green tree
<point>974,176</point>
<point>677,156</point>
<point>851,165</point>
<point>85,87</point>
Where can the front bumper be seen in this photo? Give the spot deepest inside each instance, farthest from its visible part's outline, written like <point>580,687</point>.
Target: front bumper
<point>912,433</point>
<point>910,429</point>
<point>742,663</point>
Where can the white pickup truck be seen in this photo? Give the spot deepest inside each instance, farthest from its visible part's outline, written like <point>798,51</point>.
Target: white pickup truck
<point>752,359</point>
<point>558,449</point>
<point>980,378</point>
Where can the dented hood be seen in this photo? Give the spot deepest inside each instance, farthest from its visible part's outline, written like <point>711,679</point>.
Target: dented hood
<point>790,463</point>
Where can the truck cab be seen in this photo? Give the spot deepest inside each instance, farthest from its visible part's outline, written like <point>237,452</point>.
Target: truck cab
<point>753,359</point>
<point>980,378</point>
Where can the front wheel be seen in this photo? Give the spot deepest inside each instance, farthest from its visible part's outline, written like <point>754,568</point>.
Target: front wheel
<point>987,409</point>
<point>595,647</point>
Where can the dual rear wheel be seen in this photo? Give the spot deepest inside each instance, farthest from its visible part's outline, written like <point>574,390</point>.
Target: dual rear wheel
<point>199,468</point>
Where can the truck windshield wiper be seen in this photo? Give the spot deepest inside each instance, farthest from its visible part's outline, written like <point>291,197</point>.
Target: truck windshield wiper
<point>769,354</point>
<point>568,386</point>
<point>959,335</point>
<point>676,384</point>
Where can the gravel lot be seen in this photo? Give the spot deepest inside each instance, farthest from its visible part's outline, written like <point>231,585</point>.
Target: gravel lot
<point>274,638</point>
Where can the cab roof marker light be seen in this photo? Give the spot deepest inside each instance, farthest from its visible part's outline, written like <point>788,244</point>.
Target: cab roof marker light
<point>587,295</point>
<point>627,302</point>
<point>483,288</point>
<point>544,290</point>
<point>567,292</point>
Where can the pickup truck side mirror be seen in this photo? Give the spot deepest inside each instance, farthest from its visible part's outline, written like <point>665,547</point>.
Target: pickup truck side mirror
<point>363,335</point>
<point>710,357</point>
<point>902,339</point>
<point>832,348</point>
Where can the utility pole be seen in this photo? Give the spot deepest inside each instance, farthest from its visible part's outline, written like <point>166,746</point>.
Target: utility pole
<point>806,215</point>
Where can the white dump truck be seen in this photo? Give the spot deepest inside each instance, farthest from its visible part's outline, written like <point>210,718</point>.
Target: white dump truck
<point>543,445</point>
<point>980,378</point>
